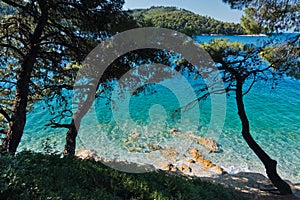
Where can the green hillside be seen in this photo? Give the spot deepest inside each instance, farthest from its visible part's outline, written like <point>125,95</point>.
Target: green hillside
<point>184,21</point>
<point>172,18</point>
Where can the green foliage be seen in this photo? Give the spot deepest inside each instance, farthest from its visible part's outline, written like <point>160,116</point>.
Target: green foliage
<point>39,45</point>
<point>6,10</point>
<point>284,57</point>
<point>237,61</point>
<point>249,24</point>
<point>49,146</point>
<point>238,4</point>
<point>37,176</point>
<point>272,15</point>
<point>223,51</point>
<point>184,21</point>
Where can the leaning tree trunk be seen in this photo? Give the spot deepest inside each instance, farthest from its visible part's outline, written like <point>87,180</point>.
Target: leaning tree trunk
<point>18,117</point>
<point>71,135</point>
<point>83,108</point>
<point>270,164</point>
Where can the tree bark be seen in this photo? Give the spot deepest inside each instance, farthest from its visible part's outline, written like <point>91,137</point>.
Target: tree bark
<point>73,129</point>
<point>270,164</point>
<point>18,116</point>
<point>71,135</point>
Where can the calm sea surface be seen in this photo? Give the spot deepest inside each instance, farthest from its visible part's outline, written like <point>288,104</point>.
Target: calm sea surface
<point>274,118</point>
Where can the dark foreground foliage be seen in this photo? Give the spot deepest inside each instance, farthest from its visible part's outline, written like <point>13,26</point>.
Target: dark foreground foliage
<point>37,176</point>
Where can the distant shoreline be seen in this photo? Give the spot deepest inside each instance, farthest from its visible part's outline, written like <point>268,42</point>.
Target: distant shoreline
<point>250,35</point>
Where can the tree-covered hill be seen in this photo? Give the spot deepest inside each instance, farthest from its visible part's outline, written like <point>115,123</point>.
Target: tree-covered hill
<point>184,21</point>
<point>173,18</point>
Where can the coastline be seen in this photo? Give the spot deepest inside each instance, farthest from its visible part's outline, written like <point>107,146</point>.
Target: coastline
<point>251,185</point>
<point>245,35</point>
<point>254,185</point>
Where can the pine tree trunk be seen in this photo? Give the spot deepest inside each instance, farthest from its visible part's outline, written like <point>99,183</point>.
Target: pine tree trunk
<point>18,120</point>
<point>270,164</point>
<point>83,108</point>
<point>18,117</point>
<point>71,135</point>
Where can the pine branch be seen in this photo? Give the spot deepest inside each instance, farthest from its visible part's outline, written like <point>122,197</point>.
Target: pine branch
<point>58,125</point>
<point>5,114</point>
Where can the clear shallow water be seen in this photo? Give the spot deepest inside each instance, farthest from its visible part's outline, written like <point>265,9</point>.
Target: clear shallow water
<point>274,118</point>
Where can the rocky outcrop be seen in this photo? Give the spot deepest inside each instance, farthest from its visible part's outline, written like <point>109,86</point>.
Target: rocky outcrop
<point>205,162</point>
<point>189,161</point>
<point>170,167</point>
<point>131,142</point>
<point>193,163</point>
<point>184,168</point>
<point>174,131</point>
<point>209,144</point>
<point>198,158</point>
<point>170,154</point>
<point>87,154</point>
<point>166,166</point>
<point>218,170</point>
<point>133,137</point>
<point>136,148</point>
<point>195,153</point>
<point>154,147</point>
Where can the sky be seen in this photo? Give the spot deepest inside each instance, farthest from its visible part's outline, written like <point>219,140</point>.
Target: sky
<point>213,8</point>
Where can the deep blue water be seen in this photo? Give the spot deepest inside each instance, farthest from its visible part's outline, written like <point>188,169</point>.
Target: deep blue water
<point>274,116</point>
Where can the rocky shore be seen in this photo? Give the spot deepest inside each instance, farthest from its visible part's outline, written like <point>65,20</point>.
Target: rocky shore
<point>191,162</point>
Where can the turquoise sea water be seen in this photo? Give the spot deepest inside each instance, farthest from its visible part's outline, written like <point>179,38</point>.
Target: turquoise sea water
<point>274,118</point>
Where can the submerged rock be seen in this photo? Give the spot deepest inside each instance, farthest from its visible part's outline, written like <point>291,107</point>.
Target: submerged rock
<point>135,133</point>
<point>208,143</point>
<point>174,131</point>
<point>154,147</point>
<point>133,139</point>
<point>169,153</point>
<point>125,140</point>
<point>133,148</point>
